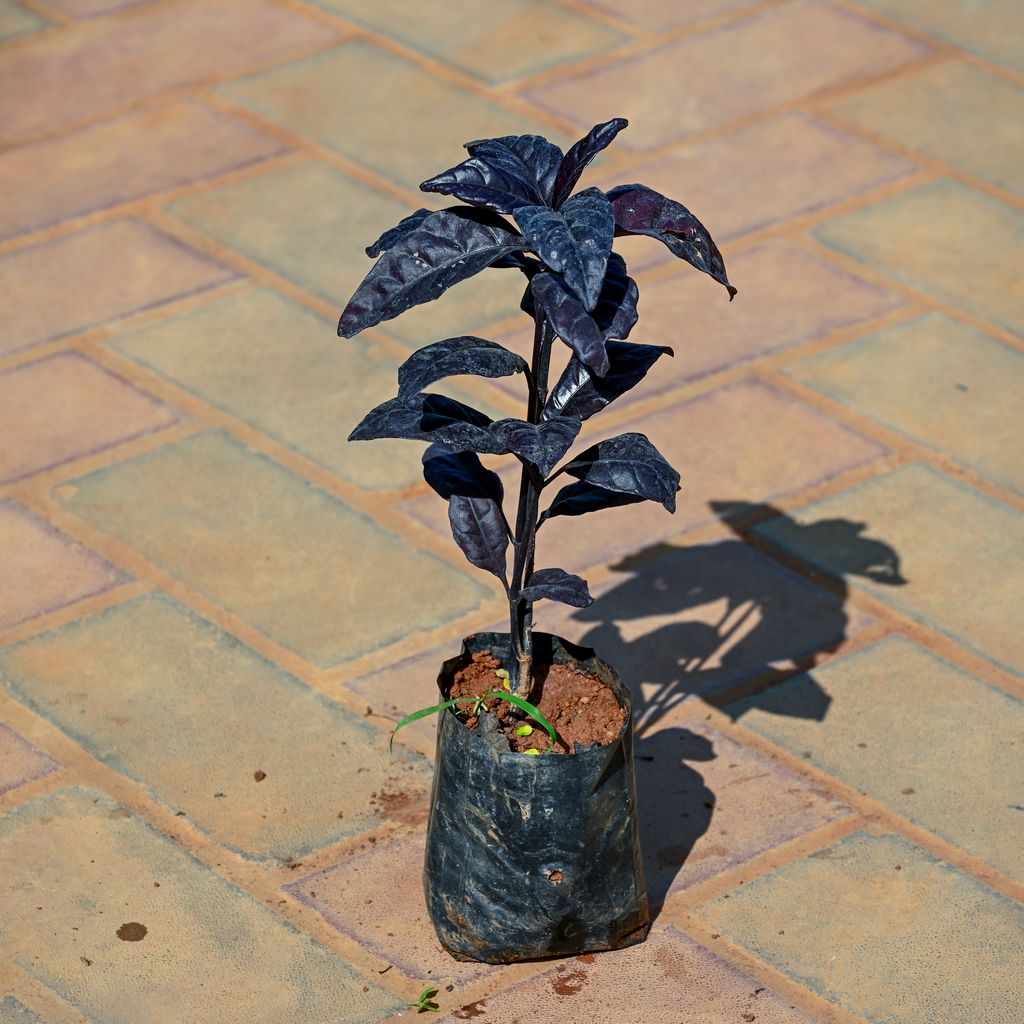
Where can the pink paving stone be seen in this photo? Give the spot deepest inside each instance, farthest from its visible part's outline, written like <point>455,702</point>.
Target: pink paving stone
<point>21,761</point>
<point>791,51</point>
<point>747,442</point>
<point>377,899</point>
<point>665,14</point>
<point>87,278</point>
<point>66,406</point>
<point>42,570</point>
<point>666,980</point>
<point>120,160</point>
<point>83,71</point>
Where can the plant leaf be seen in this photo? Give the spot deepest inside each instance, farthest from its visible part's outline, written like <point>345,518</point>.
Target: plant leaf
<point>422,713</point>
<point>580,393</point>
<point>479,528</point>
<point>452,472</point>
<point>429,417</point>
<point>616,313</point>
<point>640,210</point>
<point>404,227</point>
<point>543,158</point>
<point>580,498</point>
<point>455,356</point>
<point>557,585</point>
<point>494,177</point>
<point>524,705</point>
<point>581,154</point>
<point>447,247</point>
<point>570,321</point>
<point>628,464</point>
<point>543,444</point>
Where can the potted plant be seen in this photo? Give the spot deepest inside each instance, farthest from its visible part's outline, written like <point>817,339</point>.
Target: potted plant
<point>532,845</point>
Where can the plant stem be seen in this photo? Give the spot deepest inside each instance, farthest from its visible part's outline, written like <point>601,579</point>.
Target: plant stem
<point>521,610</point>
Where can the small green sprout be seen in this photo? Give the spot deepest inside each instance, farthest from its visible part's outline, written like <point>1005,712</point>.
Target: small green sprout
<point>532,750</point>
<point>525,729</point>
<point>425,1003</point>
<point>502,674</point>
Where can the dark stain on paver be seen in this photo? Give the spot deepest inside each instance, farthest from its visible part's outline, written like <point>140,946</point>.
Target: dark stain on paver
<point>569,982</point>
<point>471,1010</point>
<point>132,931</point>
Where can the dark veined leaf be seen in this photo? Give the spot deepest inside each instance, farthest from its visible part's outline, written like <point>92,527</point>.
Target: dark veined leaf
<point>575,242</point>
<point>450,472</point>
<point>628,464</point>
<point>579,498</point>
<point>616,313</point>
<point>404,227</point>
<point>570,321</point>
<point>428,417</point>
<point>640,210</point>
<point>581,154</point>
<point>493,177</point>
<point>543,444</point>
<point>455,356</point>
<point>480,529</point>
<point>447,247</point>
<point>543,158</point>
<point>557,585</point>
<point>580,393</point>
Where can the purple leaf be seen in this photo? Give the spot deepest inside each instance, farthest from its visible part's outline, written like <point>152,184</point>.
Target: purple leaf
<point>543,158</point>
<point>628,464</point>
<point>447,247</point>
<point>570,321</point>
<point>557,585</point>
<point>581,154</point>
<point>579,498</point>
<point>479,528</point>
<point>640,210</point>
<point>493,177</point>
<point>581,393</point>
<point>543,444</point>
<point>615,313</point>
<point>452,473</point>
<point>427,417</point>
<point>404,227</point>
<point>455,356</point>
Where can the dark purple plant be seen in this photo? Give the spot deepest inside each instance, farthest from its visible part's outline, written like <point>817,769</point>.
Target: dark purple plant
<point>578,290</point>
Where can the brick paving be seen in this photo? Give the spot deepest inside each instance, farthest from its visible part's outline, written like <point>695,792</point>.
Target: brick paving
<point>212,609</point>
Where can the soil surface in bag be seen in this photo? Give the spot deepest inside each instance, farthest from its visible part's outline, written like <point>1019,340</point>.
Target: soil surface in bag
<point>582,709</point>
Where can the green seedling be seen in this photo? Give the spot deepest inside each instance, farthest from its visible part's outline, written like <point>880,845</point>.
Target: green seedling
<point>533,750</point>
<point>425,1003</point>
<point>478,708</point>
<point>525,730</point>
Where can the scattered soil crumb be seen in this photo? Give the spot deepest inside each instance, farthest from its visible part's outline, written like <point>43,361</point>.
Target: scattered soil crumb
<point>583,710</point>
<point>132,931</point>
<point>259,775</point>
<point>470,1010</point>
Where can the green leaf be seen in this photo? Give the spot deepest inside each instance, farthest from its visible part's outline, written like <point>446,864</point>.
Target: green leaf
<point>533,711</point>
<point>423,712</point>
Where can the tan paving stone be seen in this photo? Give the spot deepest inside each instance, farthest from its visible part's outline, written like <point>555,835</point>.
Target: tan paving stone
<point>723,181</point>
<point>16,20</point>
<point>297,563</point>
<point>83,71</point>
<point>754,444</point>
<point>42,570</point>
<point>790,51</point>
<point>938,382</point>
<point>65,406</point>
<point>992,30</point>
<point>656,15</point>
<point>377,899</point>
<point>922,239</point>
<point>960,553</point>
<point>666,979</point>
<point>954,112</point>
<point>354,97</point>
<point>885,930</point>
<point>14,1012</point>
<point>209,952</point>
<point>92,8</point>
<point>20,762</point>
<point>494,42</point>
<point>152,689</point>
<point>897,720</point>
<point>120,160</point>
<point>87,278</point>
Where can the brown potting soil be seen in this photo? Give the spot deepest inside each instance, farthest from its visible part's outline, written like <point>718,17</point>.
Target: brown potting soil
<point>582,709</point>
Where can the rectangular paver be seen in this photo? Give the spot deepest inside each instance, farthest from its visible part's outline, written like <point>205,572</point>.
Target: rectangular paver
<point>65,77</point>
<point>666,14</point>
<point>284,555</point>
<point>698,83</point>
<point>42,569</point>
<point>12,1011</point>
<point>960,553</point>
<point>885,930</point>
<point>919,238</point>
<point>21,761</point>
<point>93,276</point>
<point>120,160</point>
<point>79,868</point>
<point>897,720</point>
<point>940,383</point>
<point>151,689</point>
<point>65,406</point>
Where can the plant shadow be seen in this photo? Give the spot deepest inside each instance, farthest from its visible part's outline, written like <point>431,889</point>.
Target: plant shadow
<point>720,621</point>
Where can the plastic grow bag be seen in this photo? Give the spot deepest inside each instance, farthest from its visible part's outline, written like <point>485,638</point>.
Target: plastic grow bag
<point>526,856</point>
